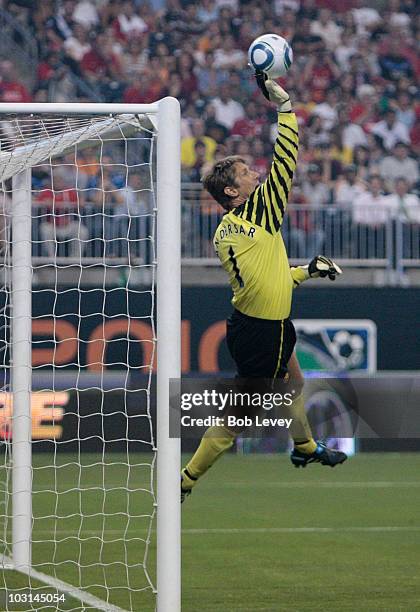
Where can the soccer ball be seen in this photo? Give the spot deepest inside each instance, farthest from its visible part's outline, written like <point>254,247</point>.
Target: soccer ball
<point>270,54</point>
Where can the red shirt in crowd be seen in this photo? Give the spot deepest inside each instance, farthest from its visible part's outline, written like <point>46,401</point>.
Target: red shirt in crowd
<point>60,204</point>
<point>94,63</point>
<point>11,91</point>
<point>321,78</point>
<point>247,127</point>
<point>143,95</point>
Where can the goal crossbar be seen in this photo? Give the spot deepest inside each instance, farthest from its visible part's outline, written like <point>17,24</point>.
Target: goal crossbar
<point>72,108</point>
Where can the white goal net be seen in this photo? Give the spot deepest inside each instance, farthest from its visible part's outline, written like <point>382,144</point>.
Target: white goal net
<point>78,344</point>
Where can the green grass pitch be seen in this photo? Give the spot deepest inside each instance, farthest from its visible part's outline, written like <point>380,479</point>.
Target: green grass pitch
<point>258,535</point>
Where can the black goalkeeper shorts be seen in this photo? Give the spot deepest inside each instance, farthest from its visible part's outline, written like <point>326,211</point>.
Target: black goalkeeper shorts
<point>260,348</point>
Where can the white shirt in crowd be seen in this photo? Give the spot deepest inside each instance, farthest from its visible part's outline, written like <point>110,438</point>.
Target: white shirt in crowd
<point>223,59</point>
<point>330,33</point>
<point>133,202</point>
<point>328,115</point>
<point>406,208</point>
<point>226,113</point>
<point>353,136</point>
<point>75,49</point>
<point>132,25</point>
<point>364,18</point>
<point>86,13</point>
<point>390,136</point>
<point>317,195</point>
<point>369,209</point>
<point>392,168</point>
<point>342,55</point>
<point>345,193</point>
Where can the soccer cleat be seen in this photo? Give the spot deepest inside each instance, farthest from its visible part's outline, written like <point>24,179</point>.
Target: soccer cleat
<point>322,455</point>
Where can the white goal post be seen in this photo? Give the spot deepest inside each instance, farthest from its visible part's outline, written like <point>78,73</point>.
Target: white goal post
<point>76,124</point>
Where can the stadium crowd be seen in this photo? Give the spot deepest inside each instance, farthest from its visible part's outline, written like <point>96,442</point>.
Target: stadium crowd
<point>353,82</point>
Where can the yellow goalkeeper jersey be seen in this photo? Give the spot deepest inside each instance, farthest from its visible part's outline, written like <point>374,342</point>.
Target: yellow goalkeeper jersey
<point>248,241</point>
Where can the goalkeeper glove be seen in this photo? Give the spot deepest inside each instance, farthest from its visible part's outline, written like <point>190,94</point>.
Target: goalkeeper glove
<point>322,266</point>
<point>273,92</point>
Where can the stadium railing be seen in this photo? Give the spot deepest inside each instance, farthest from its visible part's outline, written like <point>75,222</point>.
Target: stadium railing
<point>307,230</point>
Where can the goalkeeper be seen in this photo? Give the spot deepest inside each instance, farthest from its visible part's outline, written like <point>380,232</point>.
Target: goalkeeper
<point>260,335</point>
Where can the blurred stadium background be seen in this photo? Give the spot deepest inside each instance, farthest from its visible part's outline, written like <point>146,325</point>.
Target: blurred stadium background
<point>354,85</point>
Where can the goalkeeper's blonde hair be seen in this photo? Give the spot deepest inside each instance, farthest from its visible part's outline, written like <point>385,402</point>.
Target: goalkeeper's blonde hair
<point>221,175</point>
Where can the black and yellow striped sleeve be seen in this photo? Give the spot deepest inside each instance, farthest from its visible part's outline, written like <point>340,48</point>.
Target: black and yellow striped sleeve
<point>266,206</point>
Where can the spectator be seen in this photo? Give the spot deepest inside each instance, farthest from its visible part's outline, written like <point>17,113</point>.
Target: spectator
<point>227,110</point>
<point>402,204</point>
<point>317,134</point>
<point>142,89</point>
<point>184,67</point>
<point>101,63</point>
<point>393,64</point>
<point>11,90</point>
<point>86,13</point>
<point>348,187</point>
<point>352,133</point>
<point>390,130</point>
<point>327,29</point>
<point>59,223</point>
<point>63,23</point>
<point>363,110</point>
<point>405,112</point>
<point>215,130</point>
<point>304,42</point>
<point>319,74</point>
<point>229,57</point>
<point>304,226</point>
<point>327,110</point>
<point>135,57</point>
<point>371,208</point>
<point>367,48</point>
<point>111,199</point>
<point>77,44</point>
<point>132,217</point>
<point>260,159</point>
<point>207,11</point>
<point>344,51</point>
<point>365,18</point>
<point>128,25</point>
<point>193,174</point>
<point>188,151</point>
<point>208,78</point>
<point>51,67</point>
<point>359,70</point>
<point>304,107</point>
<point>337,151</point>
<point>399,164</point>
<point>251,124</point>
<point>361,161</point>
<point>376,154</point>
<point>314,189</point>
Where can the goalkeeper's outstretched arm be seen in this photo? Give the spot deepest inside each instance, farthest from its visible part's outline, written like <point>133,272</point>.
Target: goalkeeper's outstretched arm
<point>267,205</point>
